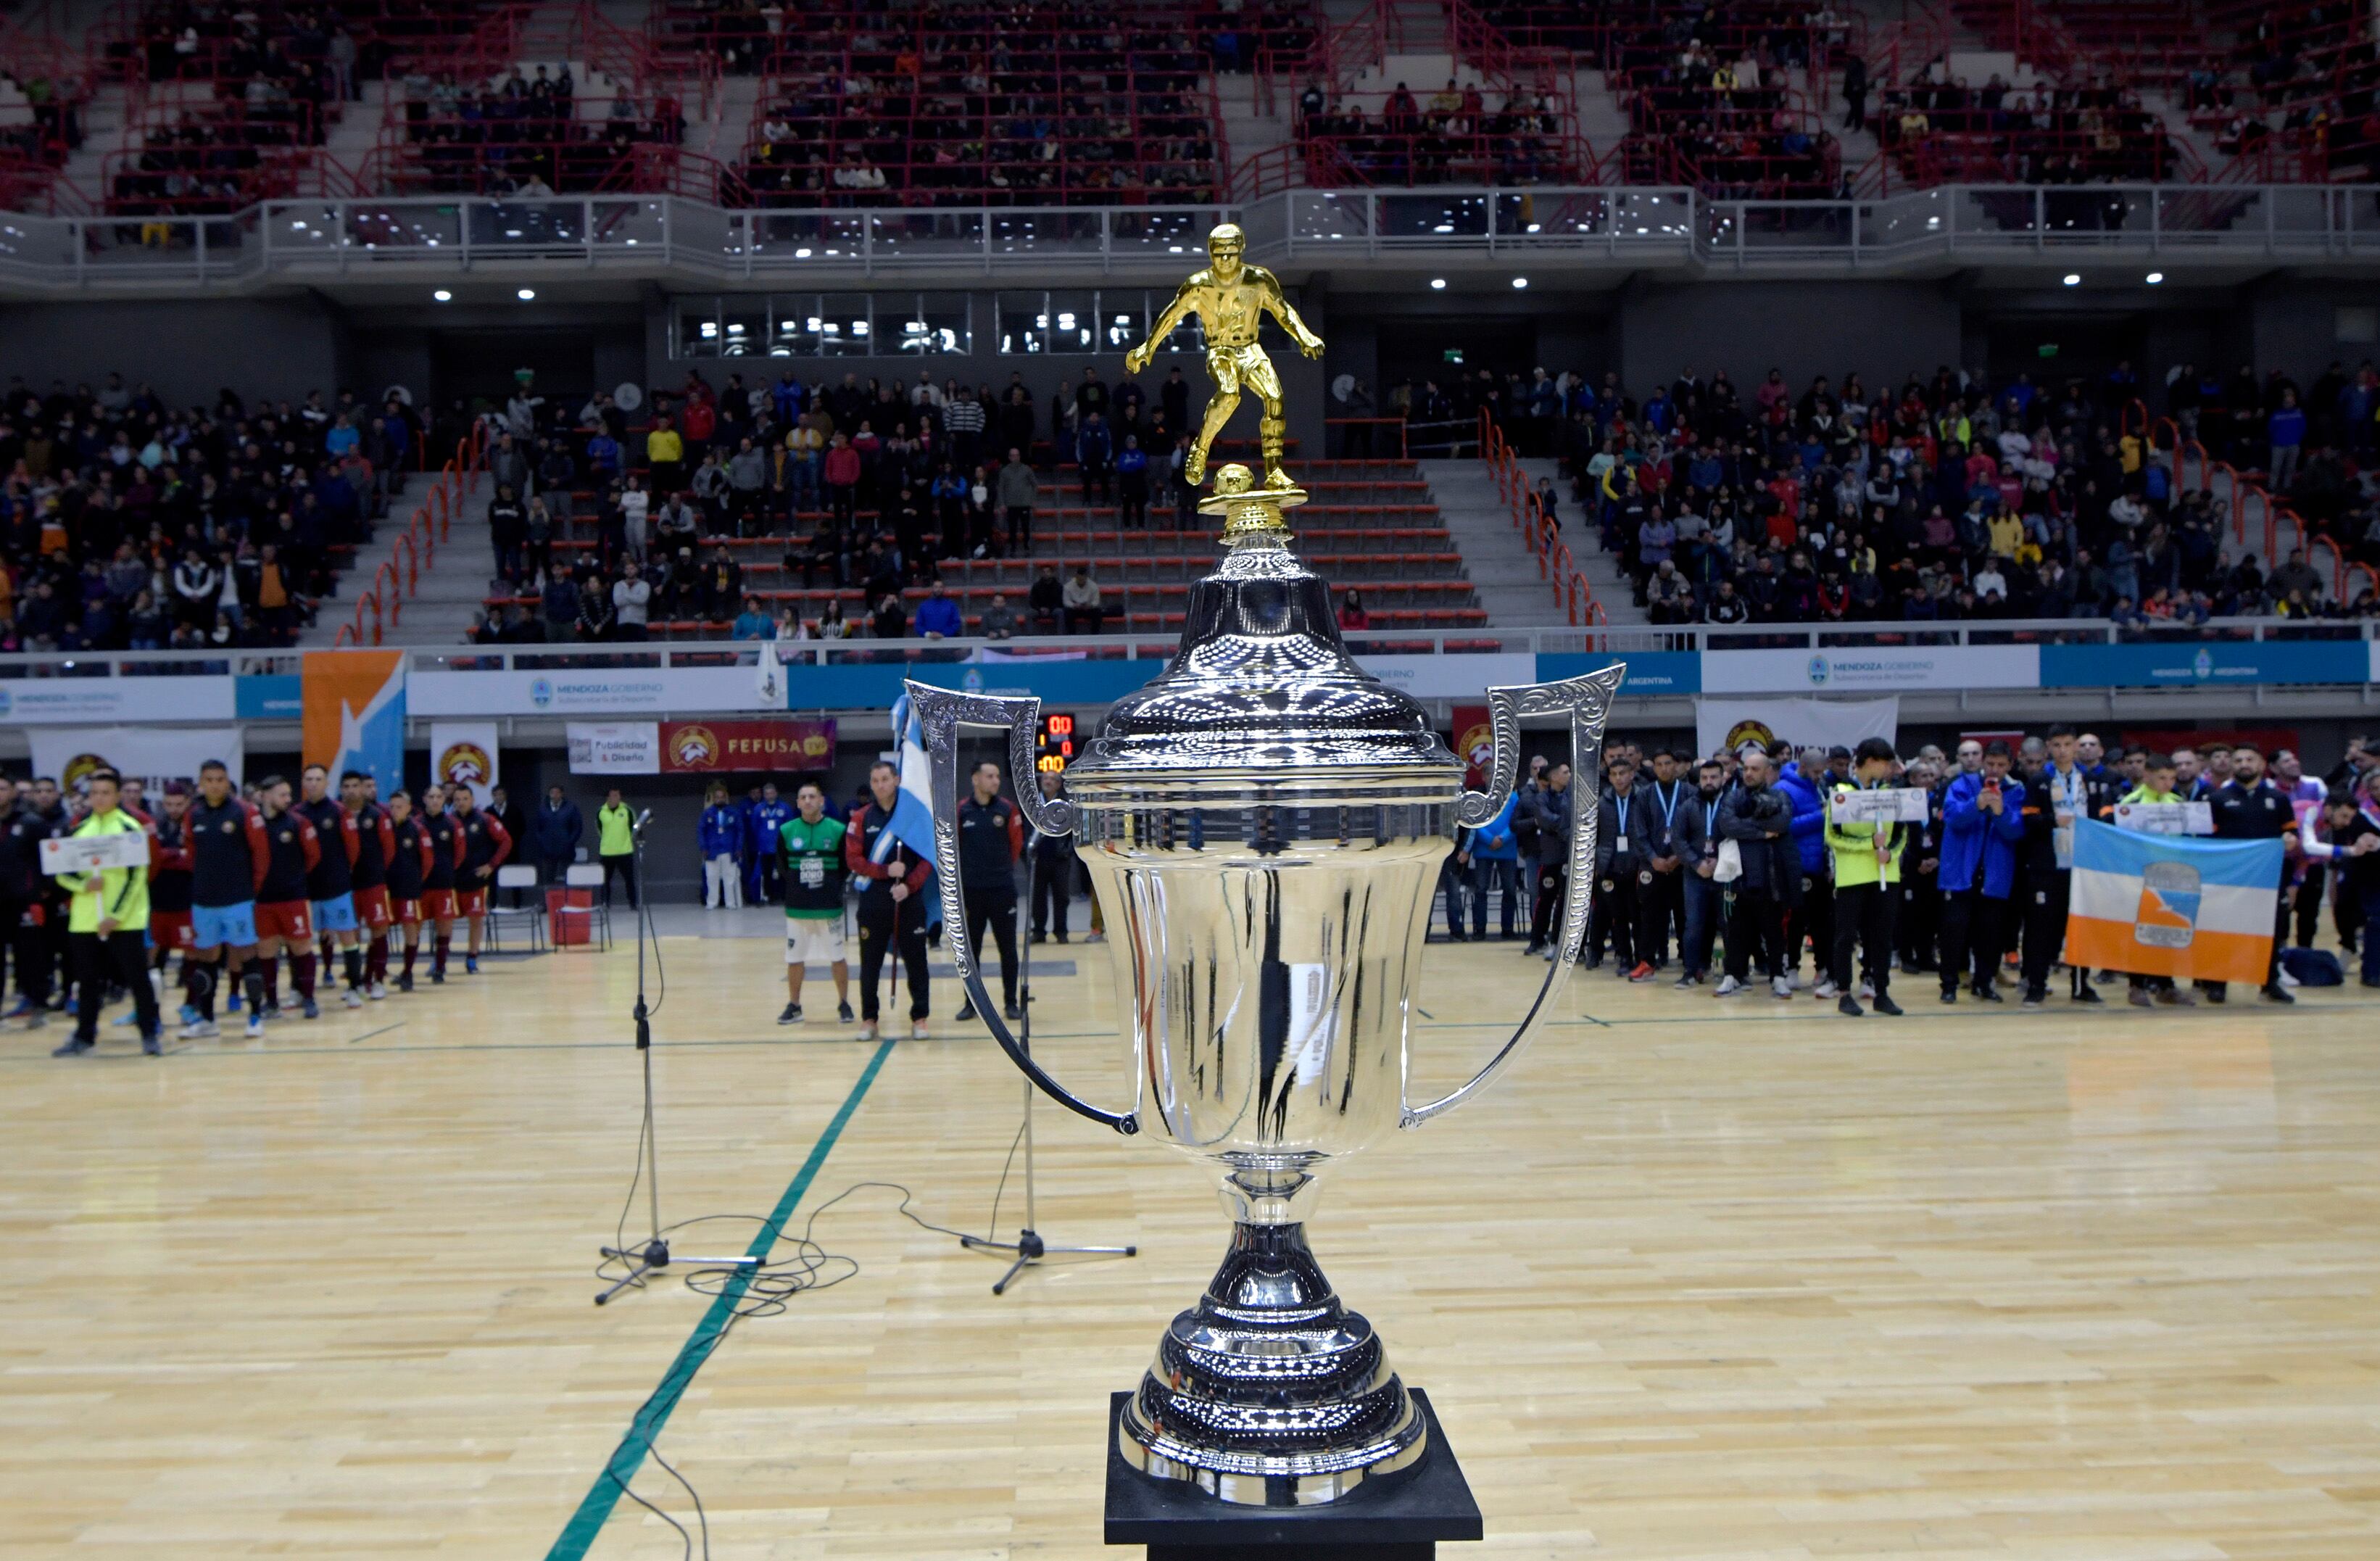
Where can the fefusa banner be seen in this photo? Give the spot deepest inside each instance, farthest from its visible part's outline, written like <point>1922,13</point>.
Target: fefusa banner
<point>722,747</point>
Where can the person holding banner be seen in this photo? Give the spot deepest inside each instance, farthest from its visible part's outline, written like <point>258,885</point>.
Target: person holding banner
<point>2248,807</point>
<point>1866,853</point>
<point>2353,850</point>
<point>2059,793</point>
<point>107,921</point>
<point>1983,818</point>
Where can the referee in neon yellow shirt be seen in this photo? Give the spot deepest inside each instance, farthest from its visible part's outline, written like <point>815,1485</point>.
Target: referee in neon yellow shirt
<point>107,923</point>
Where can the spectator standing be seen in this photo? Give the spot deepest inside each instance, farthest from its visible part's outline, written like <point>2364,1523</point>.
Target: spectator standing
<point>554,833</point>
<point>1495,868</point>
<point>632,597</point>
<point>1019,490</point>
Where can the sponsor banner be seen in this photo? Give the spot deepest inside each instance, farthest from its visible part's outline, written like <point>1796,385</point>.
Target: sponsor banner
<point>654,691</point>
<point>466,753</point>
<point>617,748</point>
<point>725,747</point>
<point>2191,664</point>
<point>1725,723</point>
<point>1650,673</point>
<point>153,755</point>
<point>353,713</point>
<point>48,700</point>
<point>272,696</point>
<point>1451,677</point>
<point>2157,905</point>
<point>1863,668</point>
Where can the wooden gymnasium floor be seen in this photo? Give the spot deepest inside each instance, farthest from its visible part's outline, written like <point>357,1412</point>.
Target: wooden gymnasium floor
<point>1701,1280</point>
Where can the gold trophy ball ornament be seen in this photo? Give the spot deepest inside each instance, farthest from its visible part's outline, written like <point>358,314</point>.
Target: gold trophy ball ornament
<point>1231,299</point>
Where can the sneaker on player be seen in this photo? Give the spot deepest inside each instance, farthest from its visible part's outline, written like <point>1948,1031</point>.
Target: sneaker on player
<point>255,1026</point>
<point>470,964</point>
<point>1643,972</point>
<point>187,1015</point>
<point>869,1031</point>
<point>128,1021</point>
<point>918,1031</point>
<point>966,1010</point>
<point>377,992</point>
<point>437,977</point>
<point>1783,986</point>
<point>792,1014</point>
<point>2086,996</point>
<point>1686,983</point>
<point>312,1009</point>
<point>2286,978</point>
<point>1887,1008</point>
<point>1826,989</point>
<point>270,1012</point>
<point>232,999</point>
<point>1868,988</point>
<point>150,1046</point>
<point>1728,987</point>
<point>843,1012</point>
<point>199,1030</point>
<point>352,998</point>
<point>1012,1011</point>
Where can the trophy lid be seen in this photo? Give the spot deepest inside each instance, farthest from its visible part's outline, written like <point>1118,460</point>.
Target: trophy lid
<point>1263,703</point>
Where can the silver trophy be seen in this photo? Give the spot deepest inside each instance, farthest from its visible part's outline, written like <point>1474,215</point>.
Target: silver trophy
<point>1264,825</point>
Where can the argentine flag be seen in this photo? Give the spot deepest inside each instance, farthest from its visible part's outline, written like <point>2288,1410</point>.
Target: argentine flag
<point>913,811</point>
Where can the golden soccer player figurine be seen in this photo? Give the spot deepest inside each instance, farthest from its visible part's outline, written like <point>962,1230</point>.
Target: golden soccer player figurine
<point>1230,299</point>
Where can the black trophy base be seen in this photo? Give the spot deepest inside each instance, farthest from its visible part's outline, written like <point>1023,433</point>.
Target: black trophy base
<point>1401,1517</point>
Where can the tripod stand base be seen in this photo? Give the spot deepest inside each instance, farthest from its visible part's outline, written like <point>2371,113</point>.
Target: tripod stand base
<point>651,1258</point>
<point>1030,1248</point>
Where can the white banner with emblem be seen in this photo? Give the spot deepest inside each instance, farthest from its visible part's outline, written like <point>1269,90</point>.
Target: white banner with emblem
<point>151,755</point>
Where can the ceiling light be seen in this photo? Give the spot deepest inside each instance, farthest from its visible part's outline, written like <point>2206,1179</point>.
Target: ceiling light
<point>1437,284</point>
<point>2073,278</point>
<point>527,295</point>
<point>443,296</point>
<point>2154,278</point>
<point>1519,281</point>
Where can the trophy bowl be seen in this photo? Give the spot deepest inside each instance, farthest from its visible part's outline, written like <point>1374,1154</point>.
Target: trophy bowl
<point>1264,823</point>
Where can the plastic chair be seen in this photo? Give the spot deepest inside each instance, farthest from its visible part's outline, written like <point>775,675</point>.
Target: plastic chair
<point>515,876</point>
<point>582,885</point>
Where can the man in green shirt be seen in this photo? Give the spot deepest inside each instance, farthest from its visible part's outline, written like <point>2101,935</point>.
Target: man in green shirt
<point>106,923</point>
<point>812,845</point>
<point>615,844</point>
<point>1867,880</point>
<point>2160,780</point>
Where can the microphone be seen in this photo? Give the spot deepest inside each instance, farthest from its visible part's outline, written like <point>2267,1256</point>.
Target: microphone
<point>643,818</point>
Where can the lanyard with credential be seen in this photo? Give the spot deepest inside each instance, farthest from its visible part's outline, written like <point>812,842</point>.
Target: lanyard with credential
<point>1669,806</point>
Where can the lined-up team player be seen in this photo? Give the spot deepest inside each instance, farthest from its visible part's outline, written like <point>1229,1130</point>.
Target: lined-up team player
<point>236,885</point>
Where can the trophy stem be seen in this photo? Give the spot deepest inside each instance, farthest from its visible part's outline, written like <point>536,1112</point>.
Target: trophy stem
<point>1270,1392</point>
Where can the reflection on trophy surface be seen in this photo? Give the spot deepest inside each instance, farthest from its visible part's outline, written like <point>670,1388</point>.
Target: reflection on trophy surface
<point>1263,825</point>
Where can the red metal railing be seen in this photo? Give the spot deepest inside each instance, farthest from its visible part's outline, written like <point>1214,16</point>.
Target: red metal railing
<point>1572,592</point>
<point>400,575</point>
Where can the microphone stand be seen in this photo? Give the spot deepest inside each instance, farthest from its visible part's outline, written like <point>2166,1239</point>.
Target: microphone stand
<point>654,1254</point>
<point>1029,1247</point>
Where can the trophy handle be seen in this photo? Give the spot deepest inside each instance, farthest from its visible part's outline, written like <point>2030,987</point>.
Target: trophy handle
<point>1587,702</point>
<point>941,711</point>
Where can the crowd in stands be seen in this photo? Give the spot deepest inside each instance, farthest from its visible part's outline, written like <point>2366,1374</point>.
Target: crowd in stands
<point>1453,137</point>
<point>1733,126</point>
<point>2301,79</point>
<point>528,134</point>
<point>602,529</point>
<point>1948,497</point>
<point>126,524</point>
<point>1033,105</point>
<point>1951,131</point>
<point>1977,895</point>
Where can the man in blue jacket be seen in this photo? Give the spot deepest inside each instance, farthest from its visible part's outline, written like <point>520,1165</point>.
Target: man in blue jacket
<point>764,858</point>
<point>1803,781</point>
<point>1490,857</point>
<point>1982,819</point>
<point>722,834</point>
<point>554,832</point>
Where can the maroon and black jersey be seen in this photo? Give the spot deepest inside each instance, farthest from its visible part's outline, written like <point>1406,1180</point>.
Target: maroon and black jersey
<point>445,851</point>
<point>375,844</point>
<point>333,872</point>
<point>867,821</point>
<point>408,861</point>
<point>485,844</point>
<point>169,866</point>
<point>228,853</point>
<point>293,850</point>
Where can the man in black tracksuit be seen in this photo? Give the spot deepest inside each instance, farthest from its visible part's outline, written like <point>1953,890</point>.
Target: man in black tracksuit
<point>892,902</point>
<point>991,836</point>
<point>1620,860</point>
<point>21,833</point>
<point>2249,807</point>
<point>1053,875</point>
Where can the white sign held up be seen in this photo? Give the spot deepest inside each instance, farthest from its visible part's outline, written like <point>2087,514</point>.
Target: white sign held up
<point>90,853</point>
